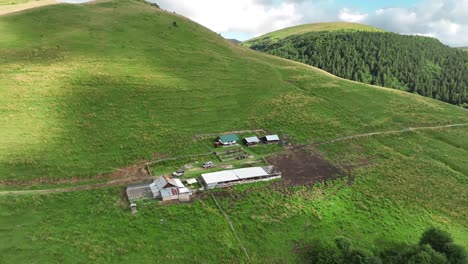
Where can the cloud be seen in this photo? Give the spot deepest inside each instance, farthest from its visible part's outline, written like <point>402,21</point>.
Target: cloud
<point>446,20</point>
<point>349,15</point>
<point>253,17</point>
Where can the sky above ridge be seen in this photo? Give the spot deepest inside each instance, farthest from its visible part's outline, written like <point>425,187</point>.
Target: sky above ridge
<point>446,20</point>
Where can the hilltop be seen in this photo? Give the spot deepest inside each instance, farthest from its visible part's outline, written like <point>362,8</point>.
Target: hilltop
<point>415,64</point>
<point>315,27</point>
<point>88,90</point>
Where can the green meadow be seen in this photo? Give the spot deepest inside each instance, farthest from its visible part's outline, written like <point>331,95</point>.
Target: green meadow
<point>408,186</point>
<point>87,89</point>
<point>301,29</point>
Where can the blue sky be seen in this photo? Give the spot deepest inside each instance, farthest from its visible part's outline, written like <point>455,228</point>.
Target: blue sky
<point>446,20</point>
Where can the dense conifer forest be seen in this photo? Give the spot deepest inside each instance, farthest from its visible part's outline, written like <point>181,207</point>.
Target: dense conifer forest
<point>416,64</point>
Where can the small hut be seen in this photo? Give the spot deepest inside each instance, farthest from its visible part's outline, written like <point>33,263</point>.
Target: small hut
<point>251,141</point>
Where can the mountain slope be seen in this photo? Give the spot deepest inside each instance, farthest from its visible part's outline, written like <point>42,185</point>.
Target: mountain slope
<point>315,27</point>
<point>86,89</point>
<point>91,94</point>
<point>416,64</point>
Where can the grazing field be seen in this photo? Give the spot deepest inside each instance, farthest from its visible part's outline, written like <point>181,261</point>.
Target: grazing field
<point>82,94</point>
<point>413,181</point>
<point>88,89</point>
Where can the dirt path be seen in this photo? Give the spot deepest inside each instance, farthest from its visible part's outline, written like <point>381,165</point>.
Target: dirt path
<point>386,132</point>
<point>138,178</point>
<point>79,188</point>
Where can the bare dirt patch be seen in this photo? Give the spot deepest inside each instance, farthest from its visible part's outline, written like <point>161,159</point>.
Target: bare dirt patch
<point>303,167</point>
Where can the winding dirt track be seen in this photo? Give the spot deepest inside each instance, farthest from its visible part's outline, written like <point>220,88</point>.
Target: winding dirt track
<point>140,178</point>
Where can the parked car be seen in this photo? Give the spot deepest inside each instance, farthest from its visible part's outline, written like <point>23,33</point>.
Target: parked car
<point>208,164</point>
<point>178,173</point>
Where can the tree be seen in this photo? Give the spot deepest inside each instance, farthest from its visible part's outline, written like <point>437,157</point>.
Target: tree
<point>455,254</point>
<point>436,238</point>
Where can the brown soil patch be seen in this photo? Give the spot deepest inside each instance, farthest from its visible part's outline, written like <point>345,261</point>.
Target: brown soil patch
<point>302,167</point>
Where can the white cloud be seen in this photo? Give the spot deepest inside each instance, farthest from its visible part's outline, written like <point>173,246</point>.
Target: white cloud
<point>348,15</point>
<point>446,20</point>
<point>253,17</point>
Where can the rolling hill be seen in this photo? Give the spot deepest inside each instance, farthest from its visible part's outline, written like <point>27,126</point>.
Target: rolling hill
<point>315,27</point>
<point>87,89</point>
<point>411,63</point>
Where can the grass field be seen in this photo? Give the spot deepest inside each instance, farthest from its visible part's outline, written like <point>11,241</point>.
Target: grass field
<point>82,94</point>
<point>301,29</point>
<point>409,186</point>
<point>86,89</point>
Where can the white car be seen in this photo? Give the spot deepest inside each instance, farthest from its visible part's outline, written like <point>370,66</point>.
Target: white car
<point>208,164</point>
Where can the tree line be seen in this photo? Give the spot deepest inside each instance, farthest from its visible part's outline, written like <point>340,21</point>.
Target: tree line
<point>435,247</point>
<point>415,64</point>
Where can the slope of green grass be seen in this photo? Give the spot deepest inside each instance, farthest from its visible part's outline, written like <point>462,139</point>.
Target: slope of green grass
<point>13,2</point>
<point>413,181</point>
<point>301,29</point>
<point>85,89</point>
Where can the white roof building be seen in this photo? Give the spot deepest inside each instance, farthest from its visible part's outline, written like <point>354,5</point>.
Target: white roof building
<point>227,177</point>
<point>272,138</point>
<point>252,140</point>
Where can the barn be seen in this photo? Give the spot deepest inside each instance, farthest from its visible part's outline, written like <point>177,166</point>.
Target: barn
<point>164,188</point>
<point>228,140</point>
<point>227,178</point>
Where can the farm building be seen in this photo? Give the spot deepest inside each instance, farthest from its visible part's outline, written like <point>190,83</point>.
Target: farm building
<point>164,187</point>
<point>272,139</point>
<point>228,140</point>
<point>238,176</point>
<point>168,188</point>
<point>251,141</point>
<point>138,191</point>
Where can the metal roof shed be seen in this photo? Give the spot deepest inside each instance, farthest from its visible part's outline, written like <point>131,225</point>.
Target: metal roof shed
<point>247,173</point>
<point>251,140</point>
<point>270,138</point>
<point>228,138</point>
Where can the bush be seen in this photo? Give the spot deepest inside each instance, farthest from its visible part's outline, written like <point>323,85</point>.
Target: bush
<point>455,254</point>
<point>436,238</point>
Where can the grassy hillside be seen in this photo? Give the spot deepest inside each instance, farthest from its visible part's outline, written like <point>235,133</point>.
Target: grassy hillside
<point>82,94</point>
<point>301,29</point>
<point>411,63</point>
<point>86,89</point>
<point>415,180</point>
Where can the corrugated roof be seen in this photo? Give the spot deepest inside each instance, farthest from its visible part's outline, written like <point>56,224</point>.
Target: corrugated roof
<point>233,175</point>
<point>169,192</point>
<point>192,181</point>
<point>253,172</point>
<point>163,181</point>
<point>228,138</point>
<point>272,138</point>
<point>252,139</point>
<point>219,176</point>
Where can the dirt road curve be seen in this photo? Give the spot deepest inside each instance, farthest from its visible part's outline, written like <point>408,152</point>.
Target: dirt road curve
<point>141,178</point>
